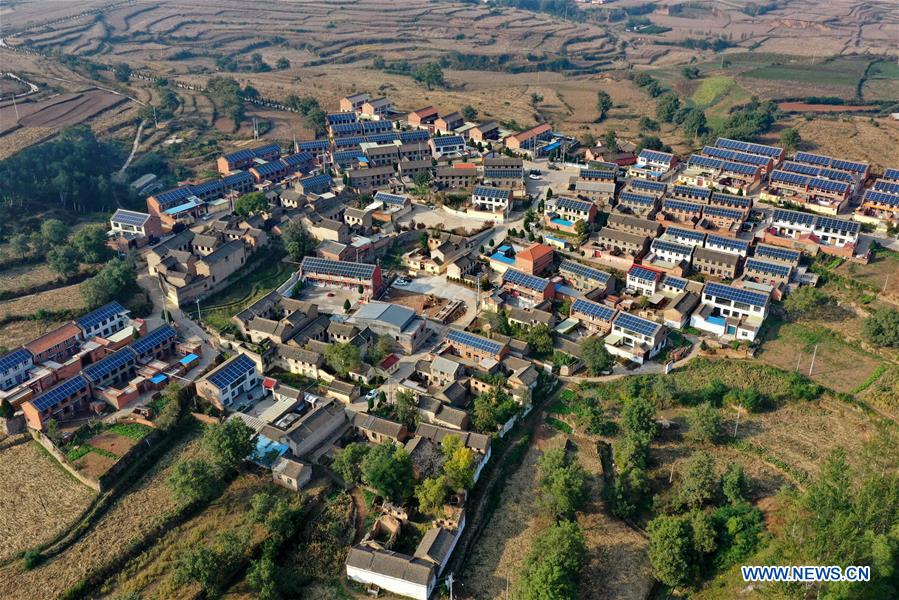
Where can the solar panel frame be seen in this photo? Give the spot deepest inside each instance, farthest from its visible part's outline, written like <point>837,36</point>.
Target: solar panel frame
<point>679,232</point>
<point>335,268</point>
<point>449,140</point>
<point>103,367</point>
<point>779,269</point>
<point>882,197</point>
<point>722,241</point>
<point>585,271</point>
<point>593,309</point>
<point>801,168</point>
<point>642,273</point>
<point>691,191</point>
<point>739,168</point>
<point>94,318</point>
<point>129,217</point>
<point>812,159</point>
<point>56,394</point>
<point>158,336</point>
<point>598,174</point>
<point>790,178</point>
<point>638,324</point>
<point>414,136</point>
<point>389,198</point>
<point>572,204</point>
<point>840,225</point>
<point>763,251</point>
<point>719,290</point>
<point>697,160</point>
<point>316,181</point>
<point>635,198</point>
<point>793,217</point>
<point>656,156</point>
<point>891,174</point>
<point>471,340</point>
<point>228,374</point>
<point>682,205</point>
<point>16,357</point>
<point>670,247</point>
<point>678,283</point>
<point>886,186</point>
<point>491,192</point>
<point>827,185</point>
<point>731,200</point>
<point>532,282</point>
<point>723,212</point>
<point>646,185</point>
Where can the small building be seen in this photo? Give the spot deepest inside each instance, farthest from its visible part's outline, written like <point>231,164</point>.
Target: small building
<point>496,201</point>
<point>291,473</point>
<point>456,177</point>
<point>346,275</point>
<point>535,259</point>
<point>58,345</point>
<point>635,338</point>
<point>104,321</point>
<point>713,263</point>
<point>586,279</point>
<point>595,317</point>
<point>353,102</point>
<point>423,117</point>
<point>475,347</point>
<point>61,402</point>
<point>484,132</point>
<point>529,139</point>
<point>378,430</point>
<point>529,290</point>
<point>448,146</point>
<point>448,123</point>
<point>241,159</point>
<point>378,108</point>
<point>136,229</point>
<point>768,272</point>
<point>644,280</point>
<point>404,328</point>
<point>14,368</point>
<point>223,385</point>
<point>730,312</point>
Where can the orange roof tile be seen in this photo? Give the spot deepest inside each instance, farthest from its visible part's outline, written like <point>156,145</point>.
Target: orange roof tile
<point>535,252</point>
<point>52,338</point>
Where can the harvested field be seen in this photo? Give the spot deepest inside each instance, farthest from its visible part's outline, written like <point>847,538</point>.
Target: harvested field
<point>65,109</point>
<point>38,499</point>
<point>19,278</point>
<point>133,515</point>
<point>805,107</point>
<point>112,442</point>
<point>64,298</point>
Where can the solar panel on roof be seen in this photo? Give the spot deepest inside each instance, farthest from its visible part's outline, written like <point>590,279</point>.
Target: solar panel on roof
<point>158,336</point>
<point>341,117</point>
<point>726,292</point>
<point>753,264</point>
<point>721,241</point>
<point>173,196</point>
<point>14,358</point>
<point>697,160</point>
<point>772,151</point>
<point>473,341</point>
<point>55,395</point>
<point>840,225</point>
<point>731,200</point>
<point>298,159</point>
<point>237,179</point>
<point>573,204</point>
<point>593,309</point>
<point>107,365</point>
<point>827,185</point>
<point>739,168</point>
<point>681,206</point>
<point>323,266</point>
<point>789,178</point>
<point>413,136</point>
<point>883,197</point>
<point>390,198</point>
<point>730,144</point>
<point>642,273</point>
<point>380,138</point>
<point>692,192</point>
<point>348,141</point>
<point>812,159</point>
<point>251,153</point>
<point>804,169</point>
<point>656,156</point>
<point>314,145</point>
<point>687,234</point>
<point>837,175</point>
<point>848,165</point>
<point>523,279</point>
<point>346,128</point>
<point>634,198</point>
<point>889,187</point>
<point>891,174</point>
<point>94,318</point>
<point>584,271</point>
<point>677,283</point>
<point>649,186</point>
<point>450,140</point>
<point>129,217</point>
<point>269,168</point>
<point>232,371</point>
<point>792,216</point>
<point>491,192</point>
<point>724,213</point>
<point>376,126</point>
<point>635,323</point>
<point>659,244</point>
<point>316,181</point>
<point>597,174</point>
<point>777,253</point>
<point>735,156</point>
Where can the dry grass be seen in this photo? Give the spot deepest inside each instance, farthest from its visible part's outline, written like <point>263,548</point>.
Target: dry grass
<point>64,298</point>
<point>22,332</point>
<point>19,278</point>
<point>135,514</point>
<point>37,498</point>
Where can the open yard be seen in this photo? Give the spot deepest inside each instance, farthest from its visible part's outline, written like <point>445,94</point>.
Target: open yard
<point>38,499</point>
<point>132,516</point>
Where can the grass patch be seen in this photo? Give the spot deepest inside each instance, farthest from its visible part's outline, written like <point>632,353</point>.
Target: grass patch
<point>843,72</point>
<point>712,89</point>
<point>560,425</point>
<point>134,431</point>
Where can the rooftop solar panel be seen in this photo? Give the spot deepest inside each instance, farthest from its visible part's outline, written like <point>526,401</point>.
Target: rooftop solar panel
<point>341,117</point>
<point>251,153</point>
<point>648,186</point>
<point>777,253</point>
<point>323,266</point>
<point>778,269</point>
<point>837,175</point>
<point>94,318</point>
<point>813,159</point>
<point>687,234</point>
<point>792,216</point>
<point>390,198</point>
<point>723,212</point>
<point>314,145</point>
<point>381,138</point>
<point>677,283</point>
<point>105,366</point>
<point>232,371</point>
<point>569,266</point>
<point>573,204</point>
<point>839,225</point>
<point>643,274</point>
<point>55,395</point>
<point>299,158</point>
<point>14,359</point>
<point>656,156</point>
<point>848,165</point>
<point>697,160</point>
<point>634,198</point>
<point>346,128</point>
<point>376,126</point>
<point>689,191</point>
<point>731,200</point>
<point>348,142</point>
<point>598,174</point>
<point>726,292</point>
<point>268,168</point>
<point>728,244</point>
<point>883,197</point>
<point>636,324</point>
<point>129,217</point>
<point>891,174</point>
<point>316,181</point>
<point>593,309</point>
<point>660,245</point>
<point>463,338</point>
<point>730,144</point>
<point>885,185</point>
<point>491,192</point>
<point>680,206</point>
<point>158,336</point>
<point>236,179</point>
<point>413,136</point>
<point>804,169</point>
<point>826,185</point>
<point>739,168</point>
<point>531,282</point>
<point>789,178</point>
<point>450,140</point>
<point>736,156</point>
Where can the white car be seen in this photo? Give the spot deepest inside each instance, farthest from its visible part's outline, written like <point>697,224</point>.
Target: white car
<point>372,394</point>
<point>534,177</point>
<point>401,282</point>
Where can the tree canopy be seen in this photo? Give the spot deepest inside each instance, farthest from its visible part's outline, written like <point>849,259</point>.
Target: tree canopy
<point>551,568</point>
<point>253,203</point>
<point>229,443</point>
<point>882,327</point>
<point>596,358</point>
<point>348,464</point>
<point>388,470</point>
<point>115,281</point>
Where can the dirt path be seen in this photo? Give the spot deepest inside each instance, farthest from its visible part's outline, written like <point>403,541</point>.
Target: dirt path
<point>134,146</point>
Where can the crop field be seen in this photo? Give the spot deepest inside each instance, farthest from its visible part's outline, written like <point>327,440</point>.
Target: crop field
<point>150,574</point>
<point>64,298</point>
<point>38,499</point>
<point>133,515</point>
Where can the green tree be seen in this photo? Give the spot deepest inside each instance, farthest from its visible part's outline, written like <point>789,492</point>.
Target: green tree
<point>90,243</point>
<point>667,106</point>
<point>121,71</point>
<point>6,409</point>
<point>694,123</point>
<point>229,443</point>
<point>19,244</point>
<point>115,281</point>
<point>551,568</point>
<point>430,74</point>
<point>263,576</point>
<point>227,96</point>
<point>469,112</point>
<point>610,140</point>
<point>706,426</point>
<point>348,464</point>
<point>193,480</point>
<point>882,327</point>
<point>458,463</point>
<point>64,260</point>
<point>431,495</point>
<point>647,124</point>
<point>171,411</point>
<point>638,418</point>
<point>603,104</point>
<point>347,306</point>
<point>698,484</point>
<point>342,358</point>
<point>734,484</point>
<point>297,242</point>
<point>562,483</point>
<point>423,241</point>
<point>405,406</point>
<point>790,139</point>
<point>540,339</point>
<point>691,72</point>
<point>54,232</point>
<point>211,568</point>
<point>282,63</point>
<point>491,409</point>
<point>595,356</point>
<point>388,470</point>
<point>671,550</point>
<point>253,203</point>
<point>581,229</point>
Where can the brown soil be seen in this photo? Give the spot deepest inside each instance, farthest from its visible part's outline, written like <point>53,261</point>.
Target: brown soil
<point>805,107</point>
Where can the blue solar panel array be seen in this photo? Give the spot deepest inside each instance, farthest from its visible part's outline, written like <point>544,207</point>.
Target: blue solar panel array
<point>689,191</point>
<point>232,371</point>
<point>771,151</point>
<point>342,129</point>
<point>726,292</point>
<point>382,138</point>
<point>269,168</point>
<point>341,117</point>
<point>792,216</point>
<point>390,198</point>
<point>636,324</point>
<point>323,266</point>
<point>130,217</point>
<point>837,225</point>
<point>463,338</point>
<point>642,273</point>
<point>722,212</point>
<point>94,318</point>
<point>347,157</point>
<point>56,395</point>
<point>251,153</point>
<point>677,283</point>
<point>802,168</point>
<point>656,187</point>
<point>680,206</point>
<point>736,156</point>
<point>889,187</point>
<point>532,282</point>
<point>882,197</point>
<point>236,180</point>
<point>592,309</point>
<point>656,156</point>
<point>348,142</point>
<point>314,145</point>
<point>891,174</point>
<point>790,178</point>
<point>598,174</point>
<point>160,335</point>
<point>777,253</point>
<point>450,140</point>
<point>316,182</point>
<point>413,136</point>
<point>826,185</point>
<point>728,244</point>
<point>300,158</point>
<point>812,159</point>
<point>837,175</point>
<point>660,245</point>
<point>376,126</point>
<point>739,168</point>
<point>634,198</point>
<point>102,368</point>
<point>705,162</point>
<point>14,359</point>
<point>569,266</point>
<point>573,204</point>
<point>731,200</point>
<point>777,269</point>
<point>491,192</point>
<point>686,234</point>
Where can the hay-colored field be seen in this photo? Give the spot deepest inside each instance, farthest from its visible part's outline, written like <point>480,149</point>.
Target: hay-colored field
<point>38,499</point>
<point>21,332</point>
<point>133,515</point>
<point>64,298</point>
<point>151,574</point>
<point>19,278</point>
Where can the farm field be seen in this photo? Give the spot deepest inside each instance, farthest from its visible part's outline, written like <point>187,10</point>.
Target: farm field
<point>63,298</point>
<point>38,499</point>
<point>132,516</point>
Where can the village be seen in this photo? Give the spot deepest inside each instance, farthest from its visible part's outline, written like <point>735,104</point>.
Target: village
<point>455,272</point>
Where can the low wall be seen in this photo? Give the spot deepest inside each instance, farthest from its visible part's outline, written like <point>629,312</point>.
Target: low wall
<point>44,441</point>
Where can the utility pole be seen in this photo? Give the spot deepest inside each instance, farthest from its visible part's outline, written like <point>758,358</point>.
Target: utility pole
<point>198,311</point>
<point>812,366</point>
<point>798,360</point>
<point>449,584</point>
<point>155,122</point>
<point>737,424</point>
<point>885,282</point>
